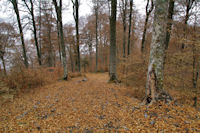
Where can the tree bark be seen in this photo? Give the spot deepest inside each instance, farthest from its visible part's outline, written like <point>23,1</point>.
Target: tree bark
<point>15,6</point>
<point>112,72</point>
<point>130,26</point>
<point>124,11</point>
<point>58,36</point>
<point>189,4</point>
<point>4,65</point>
<point>97,50</point>
<point>58,9</point>
<point>169,22</point>
<point>76,18</point>
<point>155,78</point>
<point>148,12</point>
<point>31,11</point>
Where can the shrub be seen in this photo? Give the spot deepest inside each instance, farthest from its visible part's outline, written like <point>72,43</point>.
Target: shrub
<point>31,78</point>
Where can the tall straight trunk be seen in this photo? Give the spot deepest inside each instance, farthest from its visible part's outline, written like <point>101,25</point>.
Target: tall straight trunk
<point>112,72</point>
<point>155,74</point>
<point>58,9</point>
<point>40,25</point>
<point>15,6</point>
<point>130,26</point>
<point>169,22</point>
<point>76,18</point>
<point>77,36</point>
<point>195,71</point>
<point>124,11</point>
<point>31,10</point>
<point>58,36</point>
<point>71,58</point>
<point>97,51</point>
<point>148,12</point>
<point>90,52</point>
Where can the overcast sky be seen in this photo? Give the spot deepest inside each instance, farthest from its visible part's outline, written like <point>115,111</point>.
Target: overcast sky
<point>6,12</point>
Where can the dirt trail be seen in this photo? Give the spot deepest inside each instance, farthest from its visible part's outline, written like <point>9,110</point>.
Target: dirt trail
<point>92,105</point>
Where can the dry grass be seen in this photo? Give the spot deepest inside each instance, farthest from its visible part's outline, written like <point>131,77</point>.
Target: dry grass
<point>25,79</point>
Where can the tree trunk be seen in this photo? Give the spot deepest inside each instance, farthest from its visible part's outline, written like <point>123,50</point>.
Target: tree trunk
<point>59,18</point>
<point>71,58</point>
<point>58,36</point>
<point>97,51</point>
<point>40,25</point>
<point>169,22</point>
<point>76,18</point>
<point>4,65</point>
<point>124,10</point>
<point>15,6</point>
<point>130,26</point>
<point>189,4</point>
<point>155,78</point>
<point>112,72</point>
<point>148,12</point>
<point>35,33</point>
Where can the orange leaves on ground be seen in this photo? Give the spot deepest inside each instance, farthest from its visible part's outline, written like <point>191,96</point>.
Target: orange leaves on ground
<point>92,105</point>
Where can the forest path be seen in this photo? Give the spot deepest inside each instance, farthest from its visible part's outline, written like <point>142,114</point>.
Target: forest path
<point>92,105</point>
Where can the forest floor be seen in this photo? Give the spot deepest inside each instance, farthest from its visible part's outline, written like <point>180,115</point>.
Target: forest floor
<point>92,105</point>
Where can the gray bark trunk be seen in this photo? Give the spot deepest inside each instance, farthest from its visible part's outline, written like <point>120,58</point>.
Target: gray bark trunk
<point>31,11</point>
<point>76,18</point>
<point>155,78</point>
<point>58,9</point>
<point>4,65</point>
<point>15,6</point>
<point>130,26</point>
<point>97,50</point>
<point>148,12</point>
<point>124,11</point>
<point>112,72</point>
<point>169,22</point>
<point>58,36</point>
<point>189,4</point>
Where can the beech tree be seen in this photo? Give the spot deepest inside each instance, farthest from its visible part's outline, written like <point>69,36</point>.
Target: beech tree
<point>155,75</point>
<point>58,8</point>
<point>149,9</point>
<point>130,26</point>
<point>112,71</point>
<point>15,7</point>
<point>31,11</point>
<point>123,8</point>
<point>169,22</point>
<point>76,5</point>
<point>96,10</point>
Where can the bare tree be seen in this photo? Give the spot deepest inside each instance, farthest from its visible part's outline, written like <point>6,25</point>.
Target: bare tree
<point>7,36</point>
<point>31,11</point>
<point>189,4</point>
<point>149,9</point>
<point>58,8</point>
<point>112,71</point>
<point>130,26</point>
<point>96,10</point>
<point>76,5</point>
<point>155,74</point>
<point>15,7</point>
<point>123,8</point>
